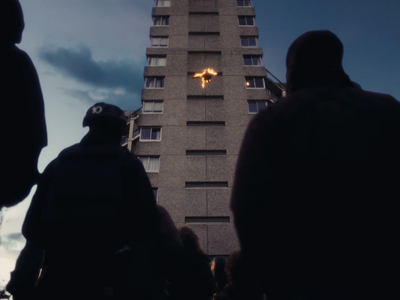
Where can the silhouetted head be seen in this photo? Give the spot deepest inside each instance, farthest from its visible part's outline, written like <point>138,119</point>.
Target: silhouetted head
<point>218,269</point>
<point>315,59</point>
<point>235,269</point>
<point>106,116</point>
<point>190,240</point>
<point>11,22</point>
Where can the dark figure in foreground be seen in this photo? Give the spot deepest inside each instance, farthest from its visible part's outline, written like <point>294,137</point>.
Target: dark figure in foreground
<point>92,212</point>
<point>24,137</point>
<point>237,288</point>
<point>316,184</point>
<point>195,282</point>
<point>162,251</point>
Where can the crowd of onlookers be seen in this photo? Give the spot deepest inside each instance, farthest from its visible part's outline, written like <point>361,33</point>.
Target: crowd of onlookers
<point>314,198</point>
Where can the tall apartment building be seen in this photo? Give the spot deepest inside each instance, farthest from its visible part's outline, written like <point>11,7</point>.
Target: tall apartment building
<point>189,132</point>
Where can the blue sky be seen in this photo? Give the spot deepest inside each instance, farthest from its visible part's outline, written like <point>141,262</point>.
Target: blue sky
<point>91,50</point>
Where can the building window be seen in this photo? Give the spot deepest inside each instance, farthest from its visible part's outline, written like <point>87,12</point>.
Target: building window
<point>248,41</point>
<point>152,107</point>
<point>157,60</point>
<point>163,3</point>
<point>154,82</point>
<point>246,21</point>
<point>159,41</point>
<point>150,134</point>
<point>161,21</point>
<point>256,106</point>
<point>150,163</point>
<point>244,3</point>
<point>252,60</point>
<point>255,82</point>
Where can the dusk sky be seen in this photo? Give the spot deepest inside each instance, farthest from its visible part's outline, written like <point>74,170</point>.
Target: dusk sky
<point>86,51</point>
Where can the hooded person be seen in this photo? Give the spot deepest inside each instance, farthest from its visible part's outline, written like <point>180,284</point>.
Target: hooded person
<point>94,204</point>
<point>21,94</point>
<point>314,194</point>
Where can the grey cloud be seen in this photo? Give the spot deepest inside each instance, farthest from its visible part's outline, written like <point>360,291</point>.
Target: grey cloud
<point>13,242</point>
<point>124,75</point>
<point>125,101</point>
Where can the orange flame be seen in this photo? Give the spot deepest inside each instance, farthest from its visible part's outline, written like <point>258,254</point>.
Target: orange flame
<point>206,76</point>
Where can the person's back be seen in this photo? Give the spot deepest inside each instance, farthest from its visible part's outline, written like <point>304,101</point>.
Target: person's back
<point>22,97</point>
<point>238,287</point>
<point>317,174</point>
<point>93,201</point>
<point>194,280</point>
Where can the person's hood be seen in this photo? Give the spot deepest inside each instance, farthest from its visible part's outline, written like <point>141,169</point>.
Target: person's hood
<point>11,22</point>
<point>314,59</point>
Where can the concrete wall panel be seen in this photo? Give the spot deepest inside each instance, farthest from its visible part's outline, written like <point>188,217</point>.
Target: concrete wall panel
<point>173,88</point>
<point>173,141</point>
<point>195,168</point>
<point>218,202</point>
<point>222,239</point>
<point>178,41</point>
<point>216,137</point>
<point>215,110</point>
<point>196,43</point>
<point>147,148</point>
<point>159,31</point>
<point>211,23</point>
<point>195,202</point>
<point>196,23</point>
<point>212,43</point>
<point>217,168</point>
<point>178,25</point>
<point>196,110</point>
<point>195,138</point>
<point>172,172</point>
<point>196,5</point>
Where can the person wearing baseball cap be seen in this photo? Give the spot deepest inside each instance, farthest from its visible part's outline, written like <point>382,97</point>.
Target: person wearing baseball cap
<point>93,203</point>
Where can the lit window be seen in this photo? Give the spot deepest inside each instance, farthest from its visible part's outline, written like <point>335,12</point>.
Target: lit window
<point>163,3</point>
<point>256,106</point>
<point>150,163</point>
<point>255,82</point>
<point>161,21</point>
<point>159,41</point>
<point>246,21</point>
<point>248,41</point>
<point>244,3</point>
<point>150,134</point>
<point>154,82</point>
<point>152,107</point>
<point>157,60</point>
<point>252,60</point>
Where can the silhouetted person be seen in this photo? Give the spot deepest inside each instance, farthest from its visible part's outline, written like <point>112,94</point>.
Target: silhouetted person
<point>195,282</point>
<point>218,269</point>
<point>22,123</point>
<point>162,253</point>
<point>26,272</point>
<point>315,190</point>
<point>238,287</point>
<point>93,208</point>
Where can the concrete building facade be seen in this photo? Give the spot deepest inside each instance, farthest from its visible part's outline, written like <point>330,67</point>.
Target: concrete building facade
<point>188,136</point>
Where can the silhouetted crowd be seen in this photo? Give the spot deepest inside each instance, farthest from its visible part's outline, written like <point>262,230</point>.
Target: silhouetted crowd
<point>314,198</point>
